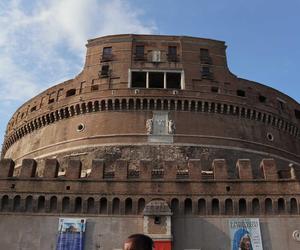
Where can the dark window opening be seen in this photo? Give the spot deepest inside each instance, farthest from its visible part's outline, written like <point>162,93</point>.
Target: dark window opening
<point>107,54</point>
<point>51,100</point>
<point>262,98</point>
<point>215,89</point>
<point>33,109</point>
<point>297,113</point>
<point>157,220</point>
<point>104,71</point>
<point>139,52</point>
<point>71,92</point>
<point>281,104</point>
<point>138,80</point>
<point>174,80</point>
<point>206,74</point>
<point>240,92</point>
<point>172,53</point>
<point>94,87</point>
<point>204,56</point>
<point>156,80</point>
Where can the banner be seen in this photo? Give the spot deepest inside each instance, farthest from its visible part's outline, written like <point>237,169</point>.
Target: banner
<point>71,234</point>
<point>245,234</point>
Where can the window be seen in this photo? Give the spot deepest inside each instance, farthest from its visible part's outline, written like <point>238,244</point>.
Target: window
<point>107,54</point>
<point>204,56</point>
<point>156,80</point>
<point>172,53</point>
<point>51,100</point>
<point>33,109</point>
<point>71,92</point>
<point>95,87</point>
<point>139,52</point>
<point>297,113</point>
<point>173,80</point>
<point>262,98</point>
<point>214,89</point>
<point>281,104</point>
<point>104,71</point>
<point>240,92</point>
<point>206,74</point>
<point>138,80</point>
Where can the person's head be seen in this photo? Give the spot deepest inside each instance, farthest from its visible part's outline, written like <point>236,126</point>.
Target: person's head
<point>138,242</point>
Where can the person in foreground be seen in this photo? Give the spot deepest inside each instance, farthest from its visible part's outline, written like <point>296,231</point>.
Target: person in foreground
<point>138,242</point>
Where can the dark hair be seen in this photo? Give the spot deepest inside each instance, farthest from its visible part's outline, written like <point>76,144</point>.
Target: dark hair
<point>140,242</point>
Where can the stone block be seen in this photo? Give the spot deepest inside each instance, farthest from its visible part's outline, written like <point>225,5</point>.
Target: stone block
<point>145,169</point>
<point>194,167</point>
<point>269,169</point>
<point>51,168</point>
<point>170,169</point>
<point>244,169</point>
<point>74,169</point>
<point>220,169</point>
<point>121,169</point>
<point>97,169</point>
<point>7,168</point>
<point>28,168</point>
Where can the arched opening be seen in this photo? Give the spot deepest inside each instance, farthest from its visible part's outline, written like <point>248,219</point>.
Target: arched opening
<point>202,206</point>
<point>102,105</point>
<point>103,206</point>
<point>255,206</point>
<point>172,105</point>
<point>186,105</point>
<point>117,104</point>
<point>165,105</point>
<point>151,104</point>
<point>29,204</point>
<point>53,204</point>
<point>128,206</point>
<point>96,106</point>
<point>90,107</point>
<point>145,104</point>
<point>281,205</point>
<point>91,205</point>
<point>83,108</point>
<point>138,104</point>
<point>294,206</point>
<point>188,206</point>
<point>78,205</point>
<point>175,206</point>
<point>66,205</point>
<point>77,109</point>
<point>131,104</point>
<point>116,206</point>
<point>179,105</point>
<point>242,207</point>
<point>5,203</point>
<point>268,206</point>
<point>110,105</point>
<point>193,106</point>
<point>215,207</point>
<point>70,92</point>
<point>141,205</point>
<point>124,104</point>
<point>228,207</point>
<point>72,111</point>
<point>41,204</point>
<point>17,203</point>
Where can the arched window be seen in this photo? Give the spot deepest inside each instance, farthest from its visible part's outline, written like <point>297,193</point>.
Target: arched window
<point>175,206</point>
<point>255,206</point>
<point>66,205</point>
<point>281,205</point>
<point>117,104</point>
<point>17,203</point>
<point>128,206</point>
<point>124,104</point>
<point>268,206</point>
<point>53,204</point>
<point>242,207</point>
<point>172,105</point>
<point>215,207</point>
<point>165,105</point>
<point>294,206</point>
<point>29,204</point>
<point>116,206</point>
<point>188,206</point>
<point>5,203</point>
<point>109,104</point>
<point>202,206</point>
<point>78,205</point>
<point>41,204</point>
<point>103,206</point>
<point>228,207</point>
<point>158,104</point>
<point>141,205</point>
<point>138,104</point>
<point>91,205</point>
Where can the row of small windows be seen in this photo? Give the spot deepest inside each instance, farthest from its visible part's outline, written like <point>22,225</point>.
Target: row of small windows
<point>128,206</point>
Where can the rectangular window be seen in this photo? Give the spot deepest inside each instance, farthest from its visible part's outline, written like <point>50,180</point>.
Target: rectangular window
<point>214,89</point>
<point>107,54</point>
<point>240,92</point>
<point>138,79</point>
<point>174,80</point>
<point>205,57</point>
<point>206,73</point>
<point>297,113</point>
<point>156,80</point>
<point>104,71</point>
<point>262,98</point>
<point>172,53</point>
<point>139,52</point>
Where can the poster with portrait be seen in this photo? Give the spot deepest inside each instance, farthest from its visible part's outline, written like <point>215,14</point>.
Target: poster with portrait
<point>245,234</point>
<point>71,234</point>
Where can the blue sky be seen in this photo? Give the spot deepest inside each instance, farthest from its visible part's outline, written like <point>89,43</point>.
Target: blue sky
<point>42,42</point>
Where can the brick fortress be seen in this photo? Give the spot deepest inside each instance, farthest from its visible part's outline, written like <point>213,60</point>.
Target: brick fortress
<point>157,136</point>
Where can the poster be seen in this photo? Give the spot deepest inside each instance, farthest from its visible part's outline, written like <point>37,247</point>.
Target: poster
<point>71,234</point>
<point>245,234</point>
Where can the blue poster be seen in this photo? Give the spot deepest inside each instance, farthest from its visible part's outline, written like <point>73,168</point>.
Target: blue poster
<point>71,234</point>
<point>245,234</point>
